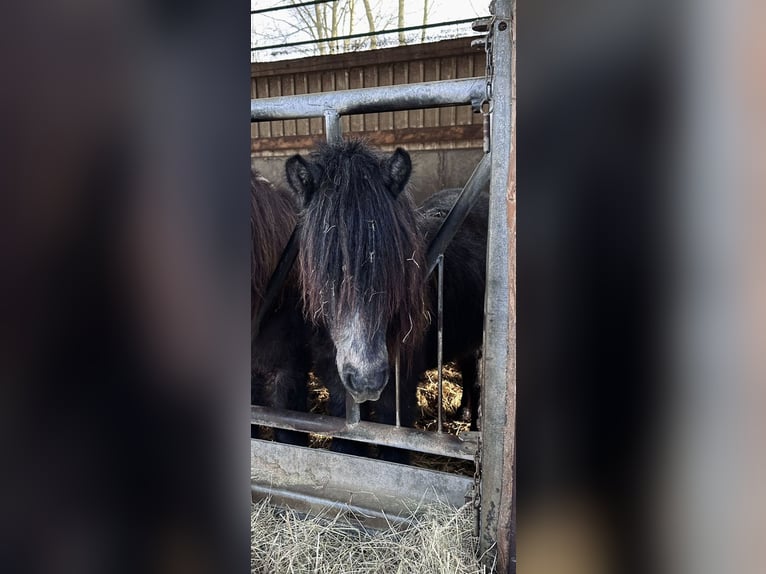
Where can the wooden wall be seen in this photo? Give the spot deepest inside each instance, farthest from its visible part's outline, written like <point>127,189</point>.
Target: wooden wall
<point>430,129</point>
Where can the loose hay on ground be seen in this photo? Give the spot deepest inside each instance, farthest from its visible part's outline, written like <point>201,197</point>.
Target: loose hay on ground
<point>438,540</point>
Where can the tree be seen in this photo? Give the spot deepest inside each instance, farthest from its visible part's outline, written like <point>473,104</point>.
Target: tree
<point>425,21</point>
<point>400,22</point>
<point>323,21</point>
<point>370,22</point>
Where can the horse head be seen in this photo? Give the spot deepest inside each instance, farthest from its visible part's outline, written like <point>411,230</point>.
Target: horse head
<point>361,258</point>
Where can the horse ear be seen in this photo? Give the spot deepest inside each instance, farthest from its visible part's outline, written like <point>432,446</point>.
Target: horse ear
<point>300,177</point>
<point>397,170</point>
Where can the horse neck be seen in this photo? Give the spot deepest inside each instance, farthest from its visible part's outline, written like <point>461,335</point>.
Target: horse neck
<point>274,217</point>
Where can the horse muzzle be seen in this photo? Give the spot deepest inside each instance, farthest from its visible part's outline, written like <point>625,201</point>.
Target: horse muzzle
<point>363,386</point>
<point>365,396</point>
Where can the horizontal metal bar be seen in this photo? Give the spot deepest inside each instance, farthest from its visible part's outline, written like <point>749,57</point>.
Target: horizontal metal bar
<point>368,432</point>
<point>478,181</point>
<point>289,6</point>
<point>309,480</point>
<point>363,34</point>
<point>368,100</point>
<point>306,503</point>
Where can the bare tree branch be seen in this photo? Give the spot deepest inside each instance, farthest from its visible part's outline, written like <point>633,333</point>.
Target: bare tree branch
<point>334,26</point>
<point>346,42</point>
<point>321,23</point>
<point>318,27</point>
<point>371,23</point>
<point>400,22</point>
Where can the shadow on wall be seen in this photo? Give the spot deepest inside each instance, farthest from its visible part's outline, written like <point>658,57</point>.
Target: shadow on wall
<point>432,169</point>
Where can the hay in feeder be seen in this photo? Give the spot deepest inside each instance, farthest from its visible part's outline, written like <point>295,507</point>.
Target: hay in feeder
<point>437,539</point>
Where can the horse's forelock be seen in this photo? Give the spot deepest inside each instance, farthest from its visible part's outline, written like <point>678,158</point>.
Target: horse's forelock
<point>361,248</point>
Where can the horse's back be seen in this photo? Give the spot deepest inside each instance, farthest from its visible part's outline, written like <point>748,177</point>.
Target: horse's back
<point>273,215</point>
<point>280,355</point>
<point>464,272</point>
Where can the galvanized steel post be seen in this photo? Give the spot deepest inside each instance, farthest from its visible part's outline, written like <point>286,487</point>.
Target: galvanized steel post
<point>332,127</point>
<point>499,359</point>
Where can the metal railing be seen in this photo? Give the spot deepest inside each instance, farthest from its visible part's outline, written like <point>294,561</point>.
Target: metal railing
<point>331,106</point>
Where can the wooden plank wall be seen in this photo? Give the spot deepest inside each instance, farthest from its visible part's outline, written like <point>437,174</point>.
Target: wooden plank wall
<point>445,128</point>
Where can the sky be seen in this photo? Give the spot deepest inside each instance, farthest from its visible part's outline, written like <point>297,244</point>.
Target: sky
<point>271,28</point>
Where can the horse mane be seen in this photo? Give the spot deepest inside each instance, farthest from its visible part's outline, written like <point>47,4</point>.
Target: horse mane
<point>273,214</point>
<point>360,244</point>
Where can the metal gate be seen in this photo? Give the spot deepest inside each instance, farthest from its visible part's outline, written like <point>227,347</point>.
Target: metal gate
<point>309,479</point>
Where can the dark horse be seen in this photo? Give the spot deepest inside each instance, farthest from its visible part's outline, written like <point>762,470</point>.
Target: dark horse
<point>280,354</point>
<point>362,271</point>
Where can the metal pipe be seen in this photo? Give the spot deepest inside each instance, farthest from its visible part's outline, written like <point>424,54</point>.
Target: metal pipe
<point>463,205</point>
<point>499,350</point>
<point>289,6</point>
<point>353,415</point>
<point>440,342</point>
<point>363,34</point>
<point>304,502</point>
<point>464,447</point>
<point>332,127</point>
<point>310,479</point>
<point>368,100</point>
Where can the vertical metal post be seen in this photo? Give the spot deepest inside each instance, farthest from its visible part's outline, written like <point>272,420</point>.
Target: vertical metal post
<point>440,341</point>
<point>352,410</point>
<point>499,351</point>
<point>332,127</point>
<point>398,384</point>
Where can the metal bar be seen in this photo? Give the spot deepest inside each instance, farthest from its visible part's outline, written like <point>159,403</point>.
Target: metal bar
<point>397,382</point>
<point>368,432</point>
<point>311,479</point>
<point>332,127</point>
<point>363,34</point>
<point>277,280</point>
<point>305,502</point>
<point>499,365</point>
<point>440,342</point>
<point>366,100</point>
<point>353,415</point>
<point>288,6</point>
<point>463,205</point>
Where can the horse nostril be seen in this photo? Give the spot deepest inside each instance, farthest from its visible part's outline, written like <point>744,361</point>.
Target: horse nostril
<point>380,379</point>
<point>350,377</point>
<point>355,380</point>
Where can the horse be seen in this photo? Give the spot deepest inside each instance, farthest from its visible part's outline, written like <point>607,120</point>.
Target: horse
<point>362,275</point>
<point>280,356</point>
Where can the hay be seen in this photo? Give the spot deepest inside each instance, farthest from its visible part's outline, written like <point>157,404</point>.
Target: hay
<point>454,421</point>
<point>427,397</point>
<point>438,540</point>
<point>452,394</point>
